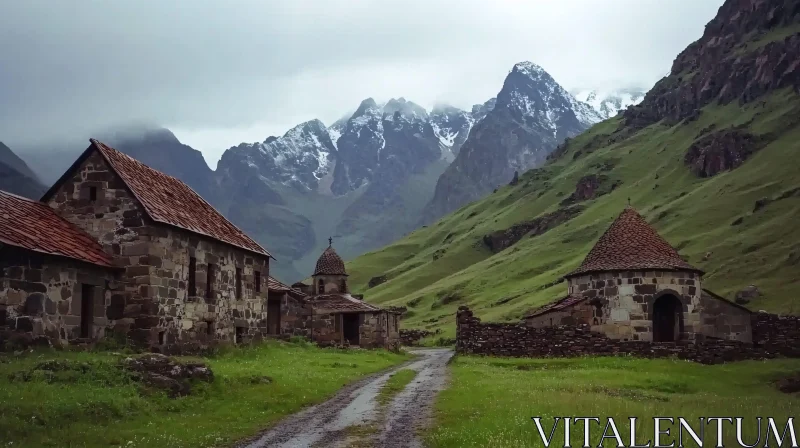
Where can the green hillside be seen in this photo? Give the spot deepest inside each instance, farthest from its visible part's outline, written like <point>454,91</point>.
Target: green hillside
<point>713,222</point>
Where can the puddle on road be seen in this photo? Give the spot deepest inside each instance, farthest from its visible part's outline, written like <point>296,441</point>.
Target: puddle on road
<point>326,426</point>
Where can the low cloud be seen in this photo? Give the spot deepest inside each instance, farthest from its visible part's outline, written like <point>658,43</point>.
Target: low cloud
<point>219,73</point>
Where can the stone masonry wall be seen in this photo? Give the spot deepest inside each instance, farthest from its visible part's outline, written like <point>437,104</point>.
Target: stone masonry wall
<point>222,315</point>
<point>519,340</point>
<point>41,299</point>
<point>777,334</point>
<point>295,316</point>
<point>331,284</point>
<point>627,299</point>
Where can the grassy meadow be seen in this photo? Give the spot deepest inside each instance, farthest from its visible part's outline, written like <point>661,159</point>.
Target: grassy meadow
<point>713,222</point>
<point>98,405</point>
<point>490,401</point>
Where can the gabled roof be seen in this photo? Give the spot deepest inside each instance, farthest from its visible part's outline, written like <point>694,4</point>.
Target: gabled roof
<point>34,226</point>
<point>274,285</point>
<point>342,303</point>
<point>330,263</point>
<point>631,244</point>
<point>167,200</point>
<point>560,304</point>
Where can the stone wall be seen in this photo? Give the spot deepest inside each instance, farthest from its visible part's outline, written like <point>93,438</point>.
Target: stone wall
<point>41,299</point>
<point>724,320</point>
<point>411,337</point>
<point>331,284</point>
<point>295,316</point>
<point>154,299</point>
<point>778,334</point>
<point>520,340</point>
<point>626,300</point>
<point>377,329</point>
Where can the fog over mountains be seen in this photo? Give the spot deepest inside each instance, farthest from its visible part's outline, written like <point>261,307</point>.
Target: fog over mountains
<point>370,177</point>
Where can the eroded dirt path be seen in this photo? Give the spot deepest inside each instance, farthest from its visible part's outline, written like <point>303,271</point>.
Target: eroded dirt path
<point>334,422</point>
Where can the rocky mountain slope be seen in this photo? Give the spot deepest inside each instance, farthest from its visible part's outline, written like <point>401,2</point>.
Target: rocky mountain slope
<point>364,178</point>
<point>531,116</point>
<point>609,104</point>
<point>709,157</point>
<point>16,177</point>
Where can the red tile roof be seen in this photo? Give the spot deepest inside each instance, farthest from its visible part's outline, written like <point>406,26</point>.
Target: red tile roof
<point>559,304</point>
<point>631,244</point>
<point>342,303</point>
<point>169,201</point>
<point>274,285</point>
<point>35,226</point>
<point>330,263</point>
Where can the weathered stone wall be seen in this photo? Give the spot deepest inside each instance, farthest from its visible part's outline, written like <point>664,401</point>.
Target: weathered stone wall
<point>154,299</point>
<point>520,340</point>
<point>411,337</point>
<point>580,313</point>
<point>41,298</point>
<point>222,315</point>
<point>724,320</point>
<point>626,300</point>
<point>375,329</point>
<point>331,284</point>
<point>327,328</point>
<point>778,334</point>
<point>295,317</point>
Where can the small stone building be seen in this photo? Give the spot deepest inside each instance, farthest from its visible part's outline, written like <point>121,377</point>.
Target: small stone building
<point>339,317</point>
<point>633,285</point>
<point>183,275</point>
<point>55,279</point>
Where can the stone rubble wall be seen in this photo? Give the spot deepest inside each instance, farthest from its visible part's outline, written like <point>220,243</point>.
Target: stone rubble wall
<point>778,334</point>
<point>40,299</point>
<point>411,337</point>
<point>519,340</point>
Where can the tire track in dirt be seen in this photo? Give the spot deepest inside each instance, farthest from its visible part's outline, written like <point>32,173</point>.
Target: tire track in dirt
<point>326,424</point>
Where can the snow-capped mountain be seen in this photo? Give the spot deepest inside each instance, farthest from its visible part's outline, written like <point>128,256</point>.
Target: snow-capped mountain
<point>531,116</point>
<point>300,158</point>
<point>608,104</point>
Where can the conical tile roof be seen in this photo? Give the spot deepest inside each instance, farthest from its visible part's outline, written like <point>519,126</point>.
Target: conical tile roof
<point>631,244</point>
<point>330,263</point>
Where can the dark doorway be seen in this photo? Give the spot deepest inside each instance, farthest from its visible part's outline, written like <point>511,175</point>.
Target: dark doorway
<point>87,310</point>
<point>350,328</point>
<point>667,319</point>
<point>239,335</point>
<point>274,316</point>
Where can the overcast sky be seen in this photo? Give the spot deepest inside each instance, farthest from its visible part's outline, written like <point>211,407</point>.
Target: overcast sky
<point>219,73</point>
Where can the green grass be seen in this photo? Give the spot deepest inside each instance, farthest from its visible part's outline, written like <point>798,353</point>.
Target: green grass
<point>491,401</point>
<point>102,407</point>
<point>439,267</point>
<point>396,383</point>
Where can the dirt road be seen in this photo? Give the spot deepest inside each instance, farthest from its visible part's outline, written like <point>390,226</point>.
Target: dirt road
<point>354,418</point>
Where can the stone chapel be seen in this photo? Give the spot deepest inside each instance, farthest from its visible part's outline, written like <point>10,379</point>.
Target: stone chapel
<point>633,285</point>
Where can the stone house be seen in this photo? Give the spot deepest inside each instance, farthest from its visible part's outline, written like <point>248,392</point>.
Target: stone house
<point>340,317</point>
<point>184,275</point>
<point>55,279</point>
<point>633,285</point>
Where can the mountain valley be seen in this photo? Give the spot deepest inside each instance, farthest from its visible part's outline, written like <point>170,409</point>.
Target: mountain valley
<point>709,157</point>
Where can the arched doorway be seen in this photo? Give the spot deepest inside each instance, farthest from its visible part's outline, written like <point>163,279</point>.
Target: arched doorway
<point>667,319</point>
